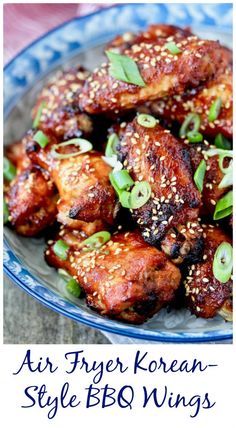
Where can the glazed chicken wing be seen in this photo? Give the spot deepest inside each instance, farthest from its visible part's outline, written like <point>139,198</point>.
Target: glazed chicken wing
<point>60,113</point>
<point>126,279</point>
<point>163,73</point>
<point>199,101</point>
<point>82,181</point>
<point>31,201</point>
<point>206,296</point>
<point>155,156</point>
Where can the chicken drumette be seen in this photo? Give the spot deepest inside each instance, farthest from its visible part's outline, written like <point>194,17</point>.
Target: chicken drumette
<point>206,296</point>
<point>170,217</point>
<point>126,278</point>
<point>163,73</point>
<point>31,201</point>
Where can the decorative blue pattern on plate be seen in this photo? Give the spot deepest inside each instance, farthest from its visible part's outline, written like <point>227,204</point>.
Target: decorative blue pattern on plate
<point>39,58</point>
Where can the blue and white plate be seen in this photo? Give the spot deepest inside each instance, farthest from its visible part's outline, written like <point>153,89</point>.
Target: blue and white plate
<point>80,41</point>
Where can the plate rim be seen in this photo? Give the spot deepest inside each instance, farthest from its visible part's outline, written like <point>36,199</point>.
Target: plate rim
<point>127,330</point>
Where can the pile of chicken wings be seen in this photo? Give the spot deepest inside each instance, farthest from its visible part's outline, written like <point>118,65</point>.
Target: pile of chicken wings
<point>136,222</point>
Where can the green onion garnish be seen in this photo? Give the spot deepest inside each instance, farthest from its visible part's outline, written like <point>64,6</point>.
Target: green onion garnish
<point>199,175</point>
<point>124,68</point>
<point>227,180</point>
<point>113,140</point>
<point>73,288</point>
<point>215,110</point>
<point>84,145</point>
<point>122,179</point>
<point>146,120</point>
<point>5,212</point>
<point>61,248</point>
<point>9,170</point>
<point>140,194</point>
<point>171,46</point>
<point>223,169</point>
<point>96,241</point>
<point>41,139</point>
<point>222,143</point>
<point>194,137</point>
<point>224,206</point>
<point>125,199</point>
<point>223,262</point>
<point>38,115</point>
<point>193,120</point>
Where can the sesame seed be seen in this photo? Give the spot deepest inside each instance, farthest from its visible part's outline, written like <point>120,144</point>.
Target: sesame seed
<point>205,280</point>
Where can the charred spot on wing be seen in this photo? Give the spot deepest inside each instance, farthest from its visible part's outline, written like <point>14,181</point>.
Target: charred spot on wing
<point>74,211</point>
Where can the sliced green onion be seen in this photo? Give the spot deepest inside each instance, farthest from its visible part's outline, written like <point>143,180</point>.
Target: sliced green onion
<point>222,143</point>
<point>65,275</point>
<point>113,183</point>
<point>223,262</point>
<point>113,140</point>
<point>224,206</point>
<point>199,175</point>
<point>215,110</point>
<point>214,152</point>
<point>124,68</point>
<point>194,137</point>
<point>140,194</point>
<point>173,48</point>
<point>227,180</point>
<point>85,146</point>
<point>38,115</point>
<point>9,170</point>
<point>96,241</point>
<point>73,288</point>
<point>125,199</point>
<point>146,120</point>
<point>61,248</point>
<point>5,212</point>
<point>223,169</point>
<point>122,179</point>
<point>41,139</point>
<point>191,119</point>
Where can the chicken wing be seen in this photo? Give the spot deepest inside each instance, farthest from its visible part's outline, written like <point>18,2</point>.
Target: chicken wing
<point>60,113</point>
<point>155,156</point>
<point>163,73</point>
<point>82,181</point>
<point>199,101</point>
<point>126,279</point>
<point>206,296</point>
<point>31,201</point>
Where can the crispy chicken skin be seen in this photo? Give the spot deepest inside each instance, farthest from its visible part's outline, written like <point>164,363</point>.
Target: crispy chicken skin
<point>31,201</point>
<point>206,296</point>
<point>82,181</point>
<point>61,114</point>
<point>163,73</point>
<point>213,176</point>
<point>154,155</point>
<point>199,100</point>
<point>127,279</point>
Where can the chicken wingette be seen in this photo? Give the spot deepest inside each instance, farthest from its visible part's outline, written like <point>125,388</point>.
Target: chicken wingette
<point>82,180</point>
<point>160,71</point>
<point>126,279</point>
<point>170,217</point>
